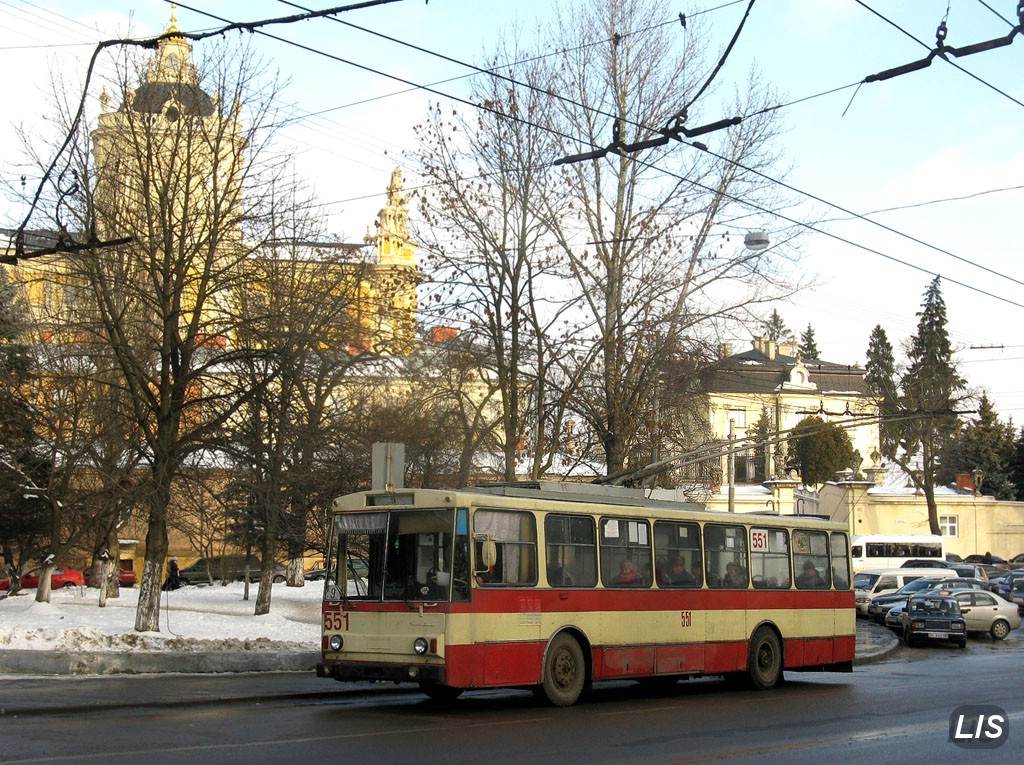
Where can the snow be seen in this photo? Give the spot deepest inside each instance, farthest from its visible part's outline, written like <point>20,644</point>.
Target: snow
<point>197,619</point>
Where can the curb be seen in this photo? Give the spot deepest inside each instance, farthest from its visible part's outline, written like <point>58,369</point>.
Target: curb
<point>25,662</point>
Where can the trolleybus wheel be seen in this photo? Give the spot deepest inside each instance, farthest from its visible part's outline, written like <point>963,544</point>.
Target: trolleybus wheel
<point>765,663</point>
<point>440,693</point>
<point>565,671</point>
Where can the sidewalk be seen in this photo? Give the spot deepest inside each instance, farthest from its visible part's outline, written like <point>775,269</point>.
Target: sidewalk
<point>874,642</point>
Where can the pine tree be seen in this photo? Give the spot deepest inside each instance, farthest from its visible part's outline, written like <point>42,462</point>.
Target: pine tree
<point>985,444</point>
<point>764,430</point>
<point>808,347</point>
<point>775,328</point>
<point>880,377</point>
<point>930,388</point>
<point>1016,467</point>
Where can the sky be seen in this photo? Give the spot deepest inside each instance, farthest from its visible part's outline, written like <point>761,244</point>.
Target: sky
<point>210,618</point>
<point>935,156</point>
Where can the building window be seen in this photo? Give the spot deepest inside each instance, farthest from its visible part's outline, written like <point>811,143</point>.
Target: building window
<point>949,525</point>
<point>738,417</point>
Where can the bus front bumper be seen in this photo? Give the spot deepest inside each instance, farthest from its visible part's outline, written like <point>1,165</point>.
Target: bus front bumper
<point>395,673</point>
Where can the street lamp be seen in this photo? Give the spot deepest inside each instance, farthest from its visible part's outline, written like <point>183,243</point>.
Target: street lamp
<point>756,241</point>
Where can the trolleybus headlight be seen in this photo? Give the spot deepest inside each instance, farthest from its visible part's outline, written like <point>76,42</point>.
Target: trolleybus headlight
<point>420,646</point>
<point>336,642</point>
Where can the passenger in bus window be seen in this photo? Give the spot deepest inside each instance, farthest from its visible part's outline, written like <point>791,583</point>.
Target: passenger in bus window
<point>557,575</point>
<point>679,575</point>
<point>809,577</point>
<point>734,575</point>
<point>628,575</point>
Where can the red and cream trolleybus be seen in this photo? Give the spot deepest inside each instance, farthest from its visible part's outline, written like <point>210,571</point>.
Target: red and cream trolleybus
<point>554,586</point>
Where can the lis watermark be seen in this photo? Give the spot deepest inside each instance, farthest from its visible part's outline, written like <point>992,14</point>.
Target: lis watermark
<point>977,726</point>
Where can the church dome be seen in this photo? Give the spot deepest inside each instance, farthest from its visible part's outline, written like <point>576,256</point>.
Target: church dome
<point>153,97</point>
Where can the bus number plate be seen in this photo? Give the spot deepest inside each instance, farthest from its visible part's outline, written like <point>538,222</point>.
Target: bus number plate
<point>685,618</point>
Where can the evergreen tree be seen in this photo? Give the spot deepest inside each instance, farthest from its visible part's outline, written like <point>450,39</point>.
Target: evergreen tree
<point>763,431</point>
<point>984,444</point>
<point>820,450</point>
<point>930,388</point>
<point>775,328</point>
<point>808,348</point>
<point>880,377</point>
<point>1016,469</point>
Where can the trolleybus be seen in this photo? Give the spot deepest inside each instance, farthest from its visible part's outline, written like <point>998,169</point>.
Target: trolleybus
<point>552,587</point>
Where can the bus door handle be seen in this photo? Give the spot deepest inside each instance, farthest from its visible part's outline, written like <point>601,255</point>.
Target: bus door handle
<point>563,596</point>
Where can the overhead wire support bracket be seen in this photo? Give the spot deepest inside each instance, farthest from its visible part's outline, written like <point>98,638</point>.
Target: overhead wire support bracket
<point>92,244</point>
<point>942,50</point>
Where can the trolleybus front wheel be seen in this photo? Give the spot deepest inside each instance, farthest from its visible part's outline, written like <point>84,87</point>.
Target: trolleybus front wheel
<point>765,663</point>
<point>565,671</point>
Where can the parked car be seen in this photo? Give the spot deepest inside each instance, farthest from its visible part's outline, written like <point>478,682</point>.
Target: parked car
<point>125,578</point>
<point>988,559</point>
<point>879,605</point>
<point>315,574</point>
<point>1005,583</point>
<point>933,617</point>
<point>230,568</point>
<point>954,558</point>
<point>926,563</point>
<point>1016,595</point>
<point>61,577</point>
<point>970,570</point>
<point>893,616</point>
<point>992,570</point>
<point>987,612</point>
<point>871,583</point>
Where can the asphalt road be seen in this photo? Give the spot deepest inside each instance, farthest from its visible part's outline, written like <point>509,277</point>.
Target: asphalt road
<point>896,710</point>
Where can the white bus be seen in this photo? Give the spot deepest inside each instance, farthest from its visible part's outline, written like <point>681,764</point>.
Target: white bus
<point>877,551</point>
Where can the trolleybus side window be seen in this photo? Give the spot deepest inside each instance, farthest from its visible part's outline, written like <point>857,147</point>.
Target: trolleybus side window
<point>570,550</point>
<point>811,560</point>
<point>505,547</point>
<point>725,549</point>
<point>769,558</point>
<point>840,561</point>
<point>625,553</point>
<point>677,552</point>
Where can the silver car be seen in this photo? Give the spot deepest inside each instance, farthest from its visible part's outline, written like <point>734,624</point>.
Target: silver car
<point>987,612</point>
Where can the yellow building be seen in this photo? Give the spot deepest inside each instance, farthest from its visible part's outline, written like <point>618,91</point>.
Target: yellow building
<point>771,377</point>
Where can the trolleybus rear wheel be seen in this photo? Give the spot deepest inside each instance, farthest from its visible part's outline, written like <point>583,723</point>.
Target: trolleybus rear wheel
<point>765,663</point>
<point>565,671</point>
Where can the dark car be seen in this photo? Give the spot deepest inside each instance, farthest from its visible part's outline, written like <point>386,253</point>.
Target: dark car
<point>933,617</point>
<point>926,563</point>
<point>125,577</point>
<point>1016,594</point>
<point>988,559</point>
<point>228,568</point>
<point>1005,583</point>
<point>879,605</point>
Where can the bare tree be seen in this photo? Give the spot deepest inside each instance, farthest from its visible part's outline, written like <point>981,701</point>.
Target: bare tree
<point>640,227</point>
<point>493,264</point>
<point>181,172</point>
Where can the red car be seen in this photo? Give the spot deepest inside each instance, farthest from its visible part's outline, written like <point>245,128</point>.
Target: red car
<point>124,578</point>
<point>62,577</point>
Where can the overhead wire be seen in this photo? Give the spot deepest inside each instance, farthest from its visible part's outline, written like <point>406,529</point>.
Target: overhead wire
<point>764,176</point>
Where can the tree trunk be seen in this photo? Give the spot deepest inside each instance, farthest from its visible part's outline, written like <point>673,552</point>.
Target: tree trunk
<point>43,590</point>
<point>147,615</point>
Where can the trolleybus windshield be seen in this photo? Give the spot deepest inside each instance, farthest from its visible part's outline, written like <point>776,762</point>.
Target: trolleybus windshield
<point>411,555</point>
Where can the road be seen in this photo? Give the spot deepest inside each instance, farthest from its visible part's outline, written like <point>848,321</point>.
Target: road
<point>897,710</point>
